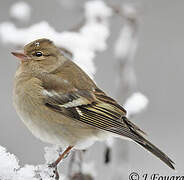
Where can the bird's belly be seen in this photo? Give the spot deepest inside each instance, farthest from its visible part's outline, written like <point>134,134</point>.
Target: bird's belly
<point>66,132</point>
<point>45,131</point>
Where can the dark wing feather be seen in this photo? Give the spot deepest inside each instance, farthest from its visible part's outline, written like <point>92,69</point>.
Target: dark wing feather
<point>100,95</point>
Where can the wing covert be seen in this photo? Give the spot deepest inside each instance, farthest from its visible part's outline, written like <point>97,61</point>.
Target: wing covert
<point>92,110</point>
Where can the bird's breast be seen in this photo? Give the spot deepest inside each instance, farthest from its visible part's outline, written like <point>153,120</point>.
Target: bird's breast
<point>50,126</point>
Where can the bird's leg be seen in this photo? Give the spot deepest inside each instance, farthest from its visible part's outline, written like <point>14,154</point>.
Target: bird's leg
<point>67,150</point>
<point>54,164</point>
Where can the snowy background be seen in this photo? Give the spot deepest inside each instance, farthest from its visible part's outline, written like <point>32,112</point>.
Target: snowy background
<point>151,54</point>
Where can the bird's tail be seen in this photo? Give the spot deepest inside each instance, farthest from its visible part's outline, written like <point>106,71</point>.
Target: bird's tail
<point>157,152</point>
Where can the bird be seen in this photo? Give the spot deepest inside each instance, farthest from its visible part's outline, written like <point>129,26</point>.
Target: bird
<point>60,104</point>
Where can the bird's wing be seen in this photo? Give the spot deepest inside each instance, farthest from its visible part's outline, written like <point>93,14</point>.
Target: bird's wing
<point>93,107</point>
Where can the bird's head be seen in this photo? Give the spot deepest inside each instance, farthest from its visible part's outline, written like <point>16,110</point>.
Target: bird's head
<point>42,54</point>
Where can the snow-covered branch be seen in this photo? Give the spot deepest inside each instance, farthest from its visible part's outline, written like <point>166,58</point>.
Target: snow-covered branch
<point>11,170</point>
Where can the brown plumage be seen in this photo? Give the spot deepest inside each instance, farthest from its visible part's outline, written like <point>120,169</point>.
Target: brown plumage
<point>60,104</point>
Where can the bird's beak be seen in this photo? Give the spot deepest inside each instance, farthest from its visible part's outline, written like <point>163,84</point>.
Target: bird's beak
<point>20,56</point>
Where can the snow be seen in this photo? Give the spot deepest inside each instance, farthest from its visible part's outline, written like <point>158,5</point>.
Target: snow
<point>124,42</point>
<point>136,103</point>
<point>8,164</point>
<point>89,168</point>
<point>10,169</point>
<point>97,9</point>
<point>9,33</point>
<point>52,153</point>
<point>27,172</point>
<point>110,141</point>
<point>46,173</point>
<point>84,44</point>
<point>20,11</point>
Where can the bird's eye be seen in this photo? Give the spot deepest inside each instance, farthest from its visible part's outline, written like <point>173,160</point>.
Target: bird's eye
<point>38,54</point>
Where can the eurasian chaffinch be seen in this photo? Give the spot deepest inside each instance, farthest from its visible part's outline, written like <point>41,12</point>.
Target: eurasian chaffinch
<point>60,104</point>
